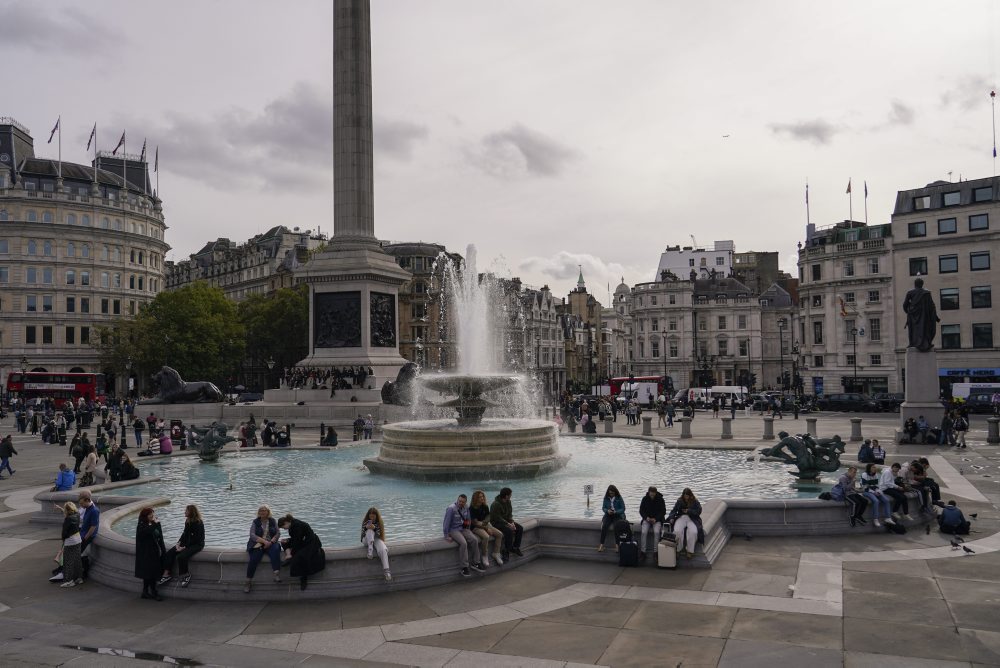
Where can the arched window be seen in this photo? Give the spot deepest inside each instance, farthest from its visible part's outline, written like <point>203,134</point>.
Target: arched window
<point>71,219</point>
<point>131,256</point>
<point>140,257</point>
<point>47,248</point>
<point>118,280</point>
<point>70,277</point>
<point>3,214</point>
<point>118,254</point>
<point>132,227</point>
<point>32,247</point>
<point>85,220</point>
<point>85,250</point>
<point>131,282</point>
<point>118,224</point>
<point>77,369</point>
<point>142,229</point>
<point>31,217</point>
<point>105,223</point>
<point>104,253</point>
<point>140,282</point>
<point>71,249</point>
<point>46,216</point>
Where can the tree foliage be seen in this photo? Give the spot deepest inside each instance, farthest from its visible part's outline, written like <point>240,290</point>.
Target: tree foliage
<point>277,326</point>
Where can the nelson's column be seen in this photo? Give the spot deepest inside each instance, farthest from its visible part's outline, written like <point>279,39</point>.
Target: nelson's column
<point>353,284</point>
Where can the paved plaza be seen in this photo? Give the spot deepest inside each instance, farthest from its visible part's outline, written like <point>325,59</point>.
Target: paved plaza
<point>866,599</point>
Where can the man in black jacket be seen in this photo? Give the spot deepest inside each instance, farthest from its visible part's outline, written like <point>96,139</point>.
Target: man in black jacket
<point>653,510</point>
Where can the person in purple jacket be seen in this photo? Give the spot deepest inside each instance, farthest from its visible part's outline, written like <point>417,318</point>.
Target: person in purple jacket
<point>458,529</point>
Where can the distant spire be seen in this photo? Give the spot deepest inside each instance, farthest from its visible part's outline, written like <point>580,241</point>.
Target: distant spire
<point>580,285</point>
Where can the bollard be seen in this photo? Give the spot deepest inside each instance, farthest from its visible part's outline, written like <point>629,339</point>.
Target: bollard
<point>647,426</point>
<point>609,425</point>
<point>685,427</point>
<point>768,429</point>
<point>727,428</point>
<point>811,427</point>
<point>322,432</point>
<point>993,430</point>
<point>856,430</point>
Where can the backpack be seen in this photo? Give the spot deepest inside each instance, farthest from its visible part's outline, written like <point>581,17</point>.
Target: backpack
<point>623,530</point>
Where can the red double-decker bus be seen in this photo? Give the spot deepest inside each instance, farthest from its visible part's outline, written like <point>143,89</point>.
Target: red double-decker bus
<point>640,387</point>
<point>61,387</point>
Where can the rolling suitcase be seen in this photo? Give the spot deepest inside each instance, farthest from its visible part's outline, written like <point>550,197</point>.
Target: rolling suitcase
<point>628,554</point>
<point>666,551</point>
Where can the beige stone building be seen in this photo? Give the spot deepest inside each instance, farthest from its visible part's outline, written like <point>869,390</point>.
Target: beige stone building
<point>847,309</point>
<point>79,247</point>
<point>949,234</point>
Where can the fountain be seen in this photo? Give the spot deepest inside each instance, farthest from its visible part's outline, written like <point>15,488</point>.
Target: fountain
<point>471,447</point>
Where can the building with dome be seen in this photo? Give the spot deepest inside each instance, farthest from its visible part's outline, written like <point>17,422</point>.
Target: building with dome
<point>80,246</point>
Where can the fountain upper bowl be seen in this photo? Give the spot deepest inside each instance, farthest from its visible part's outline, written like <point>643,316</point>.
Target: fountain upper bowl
<point>467,384</point>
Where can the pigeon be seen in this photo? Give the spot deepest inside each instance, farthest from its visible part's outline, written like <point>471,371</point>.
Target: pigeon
<point>748,536</point>
<point>973,515</point>
<point>968,550</point>
<point>959,539</point>
<point>955,545</point>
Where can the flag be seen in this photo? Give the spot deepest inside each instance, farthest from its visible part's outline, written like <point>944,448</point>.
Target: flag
<point>121,142</point>
<point>866,189</point>
<point>142,157</point>
<point>848,186</point>
<point>54,128</point>
<point>156,160</point>
<point>93,136</point>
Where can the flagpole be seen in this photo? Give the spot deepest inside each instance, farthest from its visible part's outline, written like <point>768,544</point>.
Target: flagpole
<point>807,202</point>
<point>993,105</point>
<point>866,202</point>
<point>156,170</point>
<point>95,155</point>
<point>124,167</point>
<point>59,122</point>
<point>850,199</point>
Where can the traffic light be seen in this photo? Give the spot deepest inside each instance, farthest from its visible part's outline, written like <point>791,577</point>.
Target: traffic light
<point>753,380</point>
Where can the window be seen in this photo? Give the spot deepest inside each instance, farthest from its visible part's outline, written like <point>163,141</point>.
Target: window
<point>31,275</point>
<point>949,299</point>
<point>918,266</point>
<point>848,326</point>
<point>850,361</point>
<point>673,299</point>
<point>979,222</point>
<point>817,272</point>
<point>818,332</point>
<point>104,279</point>
<point>982,335</point>
<point>874,296</point>
<point>4,275</point>
<point>982,297</point>
<point>849,297</point>
<point>104,253</point>
<point>984,194</point>
<point>118,280</point>
<point>31,217</point>
<point>722,322</point>
<point>85,250</point>
<point>952,199</point>
<point>84,278</point>
<point>85,335</point>
<point>4,246</point>
<point>702,324</point>
<point>47,335</point>
<point>642,349</point>
<point>720,261</point>
<point>875,360</point>
<point>71,249</point>
<point>672,325</point>
<point>104,306</point>
<point>723,346</point>
<point>71,305</point>
<point>875,329</point>
<point>817,360</point>
<point>922,202</point>
<point>656,325</point>
<point>652,300</point>
<point>47,303</point>
<point>744,347</point>
<point>31,303</point>
<point>654,348</point>
<point>70,277</point>
<point>848,268</point>
<point>140,282</point>
<point>71,219</point>
<point>642,325</point>
<point>47,249</point>
<point>873,265</point>
<point>131,256</point>
<point>29,335</point>
<point>947,264</point>
<point>947,226</point>
<point>741,322</point>
<point>979,261</point>
<point>917,230</point>
<point>951,337</point>
<point>703,261</point>
<point>85,220</point>
<point>105,223</point>
<point>70,336</point>
<point>817,300</point>
<point>691,262</point>
<point>673,349</point>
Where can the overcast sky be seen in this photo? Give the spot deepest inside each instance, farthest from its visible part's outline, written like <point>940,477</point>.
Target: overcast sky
<point>548,133</point>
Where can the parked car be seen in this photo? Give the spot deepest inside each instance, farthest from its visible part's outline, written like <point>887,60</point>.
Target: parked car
<point>889,402</point>
<point>247,397</point>
<point>849,401</point>
<point>980,402</point>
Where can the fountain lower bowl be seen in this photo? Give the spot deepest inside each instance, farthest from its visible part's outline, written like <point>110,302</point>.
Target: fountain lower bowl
<point>441,450</point>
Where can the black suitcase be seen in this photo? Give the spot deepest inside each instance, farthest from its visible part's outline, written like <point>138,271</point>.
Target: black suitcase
<point>623,530</point>
<point>628,554</point>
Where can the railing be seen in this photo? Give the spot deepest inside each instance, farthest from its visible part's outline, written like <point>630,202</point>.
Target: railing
<point>847,246</point>
<point>873,243</point>
<point>816,250</point>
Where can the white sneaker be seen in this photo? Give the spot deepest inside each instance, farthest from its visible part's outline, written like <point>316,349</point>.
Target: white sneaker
<point>71,583</point>
<point>497,559</point>
<point>388,575</point>
<point>876,522</point>
<point>890,521</point>
<point>486,561</point>
<point>370,555</point>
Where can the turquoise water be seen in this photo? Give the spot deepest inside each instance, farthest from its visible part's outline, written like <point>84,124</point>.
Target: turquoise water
<point>331,490</point>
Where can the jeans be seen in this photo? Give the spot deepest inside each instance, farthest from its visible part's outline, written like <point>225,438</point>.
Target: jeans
<point>485,533</point>
<point>5,464</point>
<point>182,558</point>
<point>654,529</point>
<point>857,504</point>
<point>373,542</point>
<point>608,522</point>
<point>466,540</point>
<point>256,554</point>
<point>899,500</point>
<point>879,501</point>
<point>687,533</point>
<point>138,437</point>
<point>511,537</point>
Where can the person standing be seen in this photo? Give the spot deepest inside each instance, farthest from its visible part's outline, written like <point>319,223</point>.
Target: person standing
<point>137,427</point>
<point>72,564</point>
<point>961,427</point>
<point>458,529</point>
<point>149,552</point>
<point>653,510</point>
<point>671,411</point>
<point>6,452</point>
<point>502,518</point>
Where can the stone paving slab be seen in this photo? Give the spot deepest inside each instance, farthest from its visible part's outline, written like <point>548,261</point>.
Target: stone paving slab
<point>795,629</point>
<point>609,612</point>
<point>412,655</point>
<point>869,660</point>
<point>683,619</point>
<point>913,640</point>
<point>762,654</point>
<point>641,650</point>
<point>560,642</point>
<point>347,643</point>
<point>481,639</point>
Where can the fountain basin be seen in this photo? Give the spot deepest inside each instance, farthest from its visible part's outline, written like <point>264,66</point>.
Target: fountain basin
<point>442,450</point>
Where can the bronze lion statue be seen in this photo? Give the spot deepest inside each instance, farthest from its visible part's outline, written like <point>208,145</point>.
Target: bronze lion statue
<point>173,389</point>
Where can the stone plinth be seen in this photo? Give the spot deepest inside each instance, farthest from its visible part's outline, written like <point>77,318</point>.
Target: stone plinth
<point>685,427</point>
<point>647,426</point>
<point>993,430</point>
<point>609,425</point>
<point>768,429</point>
<point>811,427</point>
<point>856,436</point>
<point>922,387</point>
<point>727,428</point>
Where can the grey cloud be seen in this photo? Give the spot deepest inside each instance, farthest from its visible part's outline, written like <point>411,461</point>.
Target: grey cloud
<point>968,93</point>
<point>817,131</point>
<point>565,267</point>
<point>396,139</point>
<point>520,151</point>
<point>901,114</point>
<point>289,143</point>
<point>31,26</point>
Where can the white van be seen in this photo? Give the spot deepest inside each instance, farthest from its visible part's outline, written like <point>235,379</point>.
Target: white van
<point>703,395</point>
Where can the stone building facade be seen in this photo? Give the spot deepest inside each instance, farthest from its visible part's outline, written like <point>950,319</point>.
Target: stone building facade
<point>80,247</point>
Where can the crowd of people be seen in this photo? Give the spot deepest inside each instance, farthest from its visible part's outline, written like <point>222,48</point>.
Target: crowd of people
<point>886,489</point>
<point>683,522</point>
<point>953,427</point>
<point>322,378</point>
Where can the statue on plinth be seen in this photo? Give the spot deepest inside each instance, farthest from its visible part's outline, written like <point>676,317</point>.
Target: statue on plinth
<point>208,442</point>
<point>921,317</point>
<point>810,456</point>
<point>174,390</point>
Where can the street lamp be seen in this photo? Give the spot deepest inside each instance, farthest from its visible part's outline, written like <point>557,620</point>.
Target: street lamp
<point>782,323</point>
<point>663,351</point>
<point>796,384</point>
<point>128,374</point>
<point>24,367</point>
<point>854,341</point>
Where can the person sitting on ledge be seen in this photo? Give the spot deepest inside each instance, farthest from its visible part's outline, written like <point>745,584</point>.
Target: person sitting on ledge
<point>865,455</point>
<point>685,522</point>
<point>373,536</point>
<point>653,510</point>
<point>283,439</point>
<point>191,542</point>
<point>877,452</point>
<point>458,529</point>
<point>128,469</point>
<point>330,439</point>
<point>890,484</point>
<point>613,509</point>
<point>923,427</point>
<point>502,518</point>
<point>846,490</point>
<point>910,430</point>
<point>65,479</point>
<point>307,555</point>
<point>880,502</point>
<point>264,535</point>
<point>929,483</point>
<point>951,520</point>
<point>479,511</point>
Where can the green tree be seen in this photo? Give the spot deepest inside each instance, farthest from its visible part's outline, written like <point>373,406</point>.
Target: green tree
<point>277,327</point>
